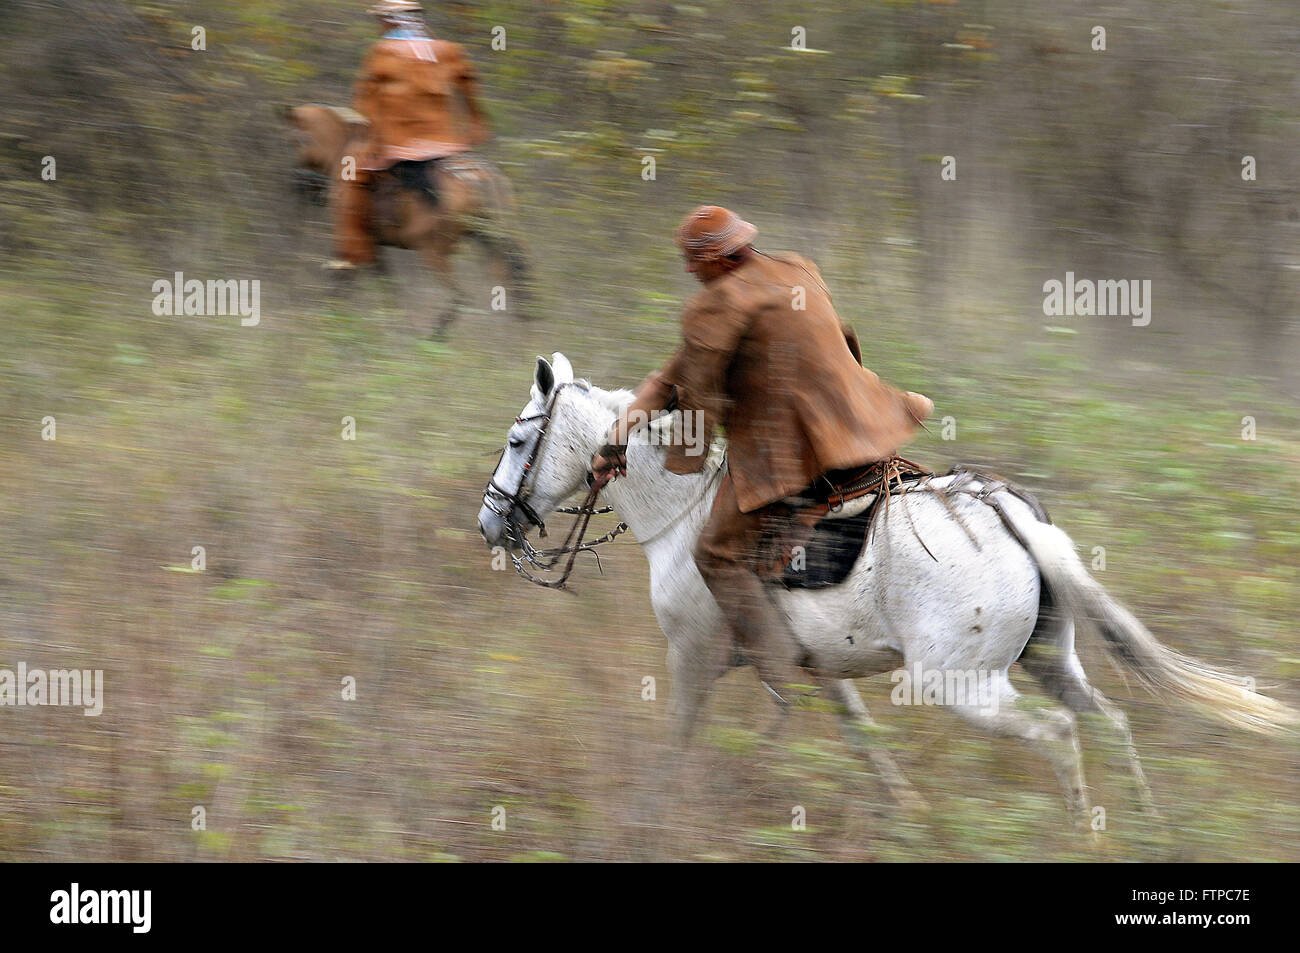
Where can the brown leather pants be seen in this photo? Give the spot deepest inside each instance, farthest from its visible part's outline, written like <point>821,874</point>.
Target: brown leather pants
<point>727,553</point>
<point>353,239</point>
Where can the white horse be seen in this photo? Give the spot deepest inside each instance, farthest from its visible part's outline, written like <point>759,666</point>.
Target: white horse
<point>947,584</point>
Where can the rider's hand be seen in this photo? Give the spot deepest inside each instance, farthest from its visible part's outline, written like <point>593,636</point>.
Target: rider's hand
<point>606,463</point>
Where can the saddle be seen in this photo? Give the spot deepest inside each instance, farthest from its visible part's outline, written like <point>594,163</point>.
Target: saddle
<point>418,176</point>
<point>427,178</point>
<point>813,538</point>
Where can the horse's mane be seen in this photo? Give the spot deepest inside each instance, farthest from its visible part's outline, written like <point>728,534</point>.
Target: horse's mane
<point>615,400</point>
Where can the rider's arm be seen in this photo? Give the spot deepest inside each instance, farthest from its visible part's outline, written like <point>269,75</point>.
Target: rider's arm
<point>713,327</point>
<point>653,394</point>
<point>713,330</point>
<point>467,81</point>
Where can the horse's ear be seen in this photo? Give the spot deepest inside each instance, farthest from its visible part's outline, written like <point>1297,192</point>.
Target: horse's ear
<point>544,379</point>
<point>563,369</point>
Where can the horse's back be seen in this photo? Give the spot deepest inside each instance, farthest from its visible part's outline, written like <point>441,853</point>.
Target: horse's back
<point>952,578</point>
<point>486,189</point>
<point>923,590</point>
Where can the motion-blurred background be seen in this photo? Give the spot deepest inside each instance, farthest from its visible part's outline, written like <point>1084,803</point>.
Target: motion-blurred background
<point>327,558</point>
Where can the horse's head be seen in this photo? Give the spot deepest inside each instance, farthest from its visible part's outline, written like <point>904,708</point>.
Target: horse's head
<point>320,136</point>
<point>547,454</point>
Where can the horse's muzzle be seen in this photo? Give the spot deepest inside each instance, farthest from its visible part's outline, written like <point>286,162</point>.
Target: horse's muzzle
<point>492,526</point>
<point>498,520</point>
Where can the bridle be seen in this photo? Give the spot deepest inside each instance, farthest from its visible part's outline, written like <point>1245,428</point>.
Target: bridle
<point>505,503</point>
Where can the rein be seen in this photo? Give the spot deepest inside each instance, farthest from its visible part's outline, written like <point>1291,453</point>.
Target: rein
<point>545,559</point>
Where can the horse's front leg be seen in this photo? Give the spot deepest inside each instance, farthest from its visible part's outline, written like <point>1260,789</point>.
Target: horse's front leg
<point>694,663</point>
<point>667,770</point>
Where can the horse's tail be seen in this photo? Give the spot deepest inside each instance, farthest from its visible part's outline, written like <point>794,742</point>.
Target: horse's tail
<point>1164,671</point>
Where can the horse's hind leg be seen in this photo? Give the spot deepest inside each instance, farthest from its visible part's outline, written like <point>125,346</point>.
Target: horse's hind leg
<point>438,256</point>
<point>860,730</point>
<point>510,265</point>
<point>516,261</point>
<point>1050,658</point>
<point>1048,731</point>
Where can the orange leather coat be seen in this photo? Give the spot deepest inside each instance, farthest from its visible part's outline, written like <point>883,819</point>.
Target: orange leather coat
<point>786,382</point>
<point>408,90</point>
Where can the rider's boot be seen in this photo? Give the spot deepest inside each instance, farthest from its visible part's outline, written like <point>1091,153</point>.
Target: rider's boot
<point>759,629</point>
<point>726,554</point>
<point>763,634</point>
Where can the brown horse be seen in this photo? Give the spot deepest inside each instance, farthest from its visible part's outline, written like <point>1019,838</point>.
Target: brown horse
<point>473,201</point>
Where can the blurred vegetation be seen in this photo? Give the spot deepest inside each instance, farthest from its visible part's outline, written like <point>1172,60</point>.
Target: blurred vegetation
<point>329,558</point>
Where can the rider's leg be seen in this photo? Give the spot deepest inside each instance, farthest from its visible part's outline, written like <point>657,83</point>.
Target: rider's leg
<point>353,242</point>
<point>726,554</point>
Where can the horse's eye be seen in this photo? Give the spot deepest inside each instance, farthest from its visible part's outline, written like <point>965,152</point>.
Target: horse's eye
<point>516,441</point>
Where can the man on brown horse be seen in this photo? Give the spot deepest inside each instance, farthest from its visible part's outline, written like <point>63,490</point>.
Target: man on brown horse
<point>764,354</point>
<point>406,91</point>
